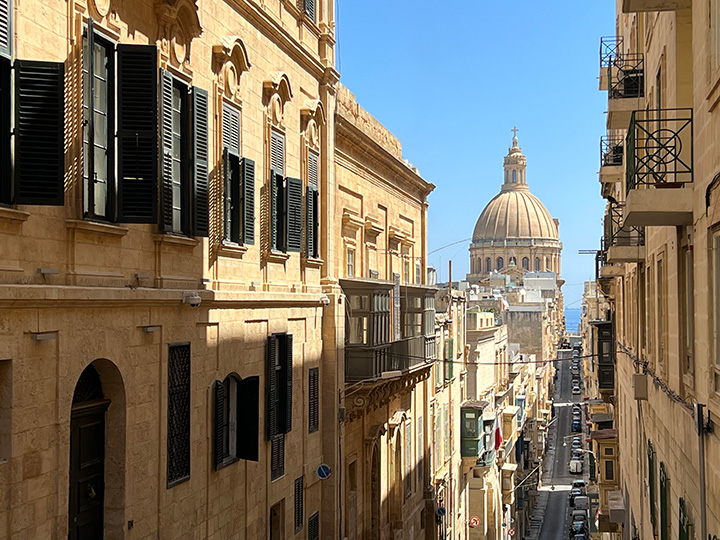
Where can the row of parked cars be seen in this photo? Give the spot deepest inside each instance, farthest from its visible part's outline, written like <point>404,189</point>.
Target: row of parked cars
<point>579,503</point>
<point>575,371</point>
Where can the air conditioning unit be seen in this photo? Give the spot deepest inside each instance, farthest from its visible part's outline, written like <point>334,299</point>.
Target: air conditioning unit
<point>639,385</point>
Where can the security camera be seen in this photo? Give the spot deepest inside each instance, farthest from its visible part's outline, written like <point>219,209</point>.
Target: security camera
<point>191,298</point>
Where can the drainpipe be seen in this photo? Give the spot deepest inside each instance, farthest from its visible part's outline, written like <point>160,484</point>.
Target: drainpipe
<point>700,429</point>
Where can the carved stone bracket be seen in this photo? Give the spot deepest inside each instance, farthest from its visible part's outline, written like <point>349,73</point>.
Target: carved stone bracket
<point>312,117</point>
<point>276,92</point>
<point>179,24</point>
<point>230,61</point>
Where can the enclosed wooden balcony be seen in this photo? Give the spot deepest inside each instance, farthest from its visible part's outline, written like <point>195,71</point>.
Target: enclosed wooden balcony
<point>626,88</point>
<point>612,162</point>
<point>610,46</point>
<point>659,168</point>
<point>634,6</point>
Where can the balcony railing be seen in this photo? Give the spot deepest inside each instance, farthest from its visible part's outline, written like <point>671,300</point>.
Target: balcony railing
<point>660,148</point>
<point>612,148</point>
<point>610,47</point>
<point>616,234</point>
<point>368,363</point>
<point>626,76</point>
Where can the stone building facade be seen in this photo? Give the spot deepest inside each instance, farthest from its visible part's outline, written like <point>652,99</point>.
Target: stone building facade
<point>173,317</point>
<point>658,266</point>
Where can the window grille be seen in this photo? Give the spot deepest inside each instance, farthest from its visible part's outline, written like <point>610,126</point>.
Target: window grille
<point>277,456</point>
<point>314,526</point>
<point>299,494</point>
<point>314,398</point>
<point>178,428</point>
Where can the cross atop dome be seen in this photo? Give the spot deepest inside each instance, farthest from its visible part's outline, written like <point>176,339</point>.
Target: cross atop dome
<point>514,139</point>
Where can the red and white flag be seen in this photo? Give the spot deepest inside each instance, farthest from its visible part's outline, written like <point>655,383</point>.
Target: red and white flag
<point>498,433</point>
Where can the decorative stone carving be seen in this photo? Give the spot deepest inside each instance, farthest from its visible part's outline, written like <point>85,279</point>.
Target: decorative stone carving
<point>100,7</point>
<point>179,24</point>
<point>230,61</point>
<point>276,92</point>
<point>312,116</point>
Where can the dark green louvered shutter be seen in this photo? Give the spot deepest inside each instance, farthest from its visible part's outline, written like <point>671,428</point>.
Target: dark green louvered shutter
<point>299,513</point>
<point>272,387</point>
<point>248,201</point>
<point>277,456</point>
<point>219,435</point>
<point>308,7</point>
<point>651,485</point>
<point>313,400</point>
<point>6,28</point>
<point>39,133</point>
<point>200,162</point>
<point>314,526</point>
<point>311,221</point>
<point>137,133</point>
<point>166,147</point>
<point>227,196</point>
<point>293,214</point>
<point>5,125</point>
<point>275,185</point>
<point>248,418</point>
<point>663,502</point>
<point>287,350</point>
<point>231,129</point>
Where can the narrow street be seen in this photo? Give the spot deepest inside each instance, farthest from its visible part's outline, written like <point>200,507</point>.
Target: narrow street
<point>557,480</point>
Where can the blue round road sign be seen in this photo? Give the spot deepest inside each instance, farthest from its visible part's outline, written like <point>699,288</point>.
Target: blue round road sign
<point>323,471</point>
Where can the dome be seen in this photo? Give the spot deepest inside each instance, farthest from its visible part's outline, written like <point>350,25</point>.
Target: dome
<point>515,213</point>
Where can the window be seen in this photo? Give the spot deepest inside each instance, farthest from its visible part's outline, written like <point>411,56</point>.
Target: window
<point>406,272</point>
<point>314,399</point>
<point>418,273</point>
<point>514,177</point>
<point>411,306</point>
<point>661,315</point>
<point>526,263</point>
<point>277,521</point>
<point>238,183</point>
<point>500,263</point>
<point>359,319</point>
<point>609,470</point>
<point>279,399</point>
<point>716,310</point>
<point>307,7</point>
<point>513,261</point>
<point>314,526</point>
<point>299,500</point>
<point>236,420</point>
<point>312,208</point>
<point>687,306</point>
<point>184,139</point>
<point>408,459</point>
<point>178,415</point>
<point>350,262</point>
<point>488,264</point>
<point>537,264</point>
<point>547,264</point>
<point>98,126</point>
<point>286,197</point>
<point>664,525</point>
<point>651,484</point>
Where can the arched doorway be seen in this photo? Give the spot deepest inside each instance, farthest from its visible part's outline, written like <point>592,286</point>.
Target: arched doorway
<point>96,503</point>
<point>87,457</point>
<point>375,493</point>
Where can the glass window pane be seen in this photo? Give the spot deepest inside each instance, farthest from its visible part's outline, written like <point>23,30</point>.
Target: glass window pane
<point>358,330</point>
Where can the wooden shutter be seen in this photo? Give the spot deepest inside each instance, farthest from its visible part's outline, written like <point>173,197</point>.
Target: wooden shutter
<point>308,7</point>
<point>248,201</point>
<point>137,133</point>
<point>313,399</point>
<point>166,143</point>
<point>231,129</point>
<point>272,387</point>
<point>277,456</point>
<point>316,223</point>
<point>6,28</point>
<point>313,169</point>
<point>5,126</point>
<point>287,350</point>
<point>299,495</point>
<point>227,196</point>
<point>248,418</point>
<point>219,435</point>
<point>314,526</point>
<point>275,181</point>
<point>294,214</point>
<point>277,152</point>
<point>39,133</point>
<point>200,162</point>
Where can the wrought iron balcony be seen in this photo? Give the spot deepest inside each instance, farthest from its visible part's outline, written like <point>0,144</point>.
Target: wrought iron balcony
<point>625,243</point>
<point>659,162</point>
<point>633,6</point>
<point>610,47</point>
<point>363,363</point>
<point>612,152</point>
<point>626,84</point>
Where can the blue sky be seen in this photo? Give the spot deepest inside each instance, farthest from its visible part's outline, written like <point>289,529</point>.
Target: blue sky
<point>451,79</point>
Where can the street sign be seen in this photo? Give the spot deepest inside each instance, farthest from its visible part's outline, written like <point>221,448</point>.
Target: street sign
<point>511,532</point>
<point>324,471</point>
<point>474,522</point>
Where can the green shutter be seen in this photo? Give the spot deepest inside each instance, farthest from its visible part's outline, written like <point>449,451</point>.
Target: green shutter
<point>6,28</point>
<point>313,399</point>
<point>137,133</point>
<point>310,222</point>
<point>227,196</point>
<point>220,424</point>
<point>201,186</point>
<point>272,387</point>
<point>248,201</point>
<point>293,214</point>
<point>39,133</point>
<point>248,406</point>
<point>287,350</point>
<point>275,181</point>
<point>231,129</point>
<point>651,485</point>
<point>5,126</point>
<point>663,503</point>
<point>166,147</point>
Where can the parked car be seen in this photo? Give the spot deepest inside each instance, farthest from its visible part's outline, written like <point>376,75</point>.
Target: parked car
<point>582,502</point>
<point>576,444</point>
<point>576,390</point>
<point>577,417</point>
<point>578,527</point>
<point>576,427</point>
<point>577,454</point>
<point>579,484</point>
<point>580,515</point>
<point>575,466</point>
<point>574,493</point>
<point>580,537</point>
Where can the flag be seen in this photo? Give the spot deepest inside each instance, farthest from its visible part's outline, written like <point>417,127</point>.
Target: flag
<point>498,433</point>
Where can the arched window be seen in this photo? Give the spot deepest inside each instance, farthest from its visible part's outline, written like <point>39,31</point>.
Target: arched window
<point>513,260</point>
<point>500,263</point>
<point>514,177</point>
<point>526,263</point>
<point>547,264</point>
<point>488,264</point>
<point>537,264</point>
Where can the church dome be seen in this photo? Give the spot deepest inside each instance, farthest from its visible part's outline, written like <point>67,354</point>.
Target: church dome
<point>515,213</point>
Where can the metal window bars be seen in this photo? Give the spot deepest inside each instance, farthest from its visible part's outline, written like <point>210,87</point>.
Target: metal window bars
<point>660,148</point>
<point>626,76</point>
<point>612,149</point>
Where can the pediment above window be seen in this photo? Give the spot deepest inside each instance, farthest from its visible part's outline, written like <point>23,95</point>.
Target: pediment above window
<point>230,61</point>
<point>179,24</point>
<point>312,116</point>
<point>277,91</point>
